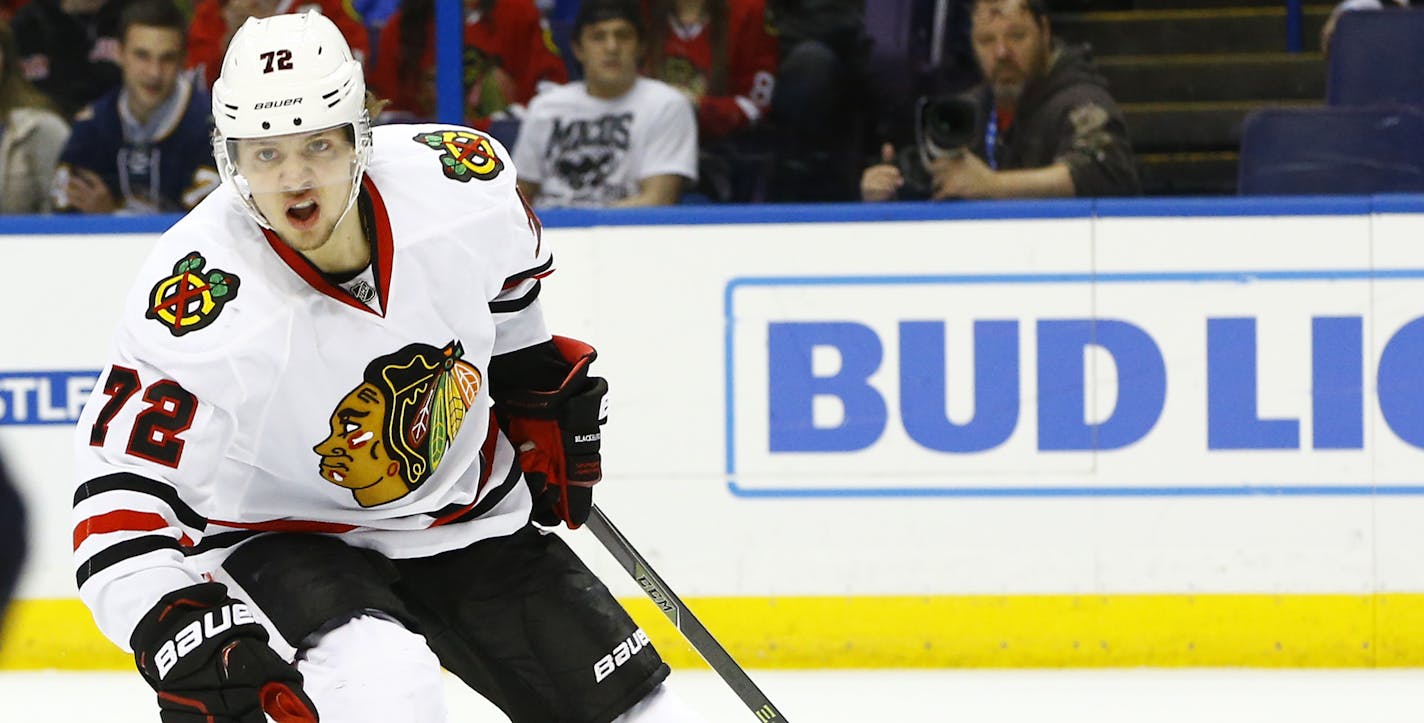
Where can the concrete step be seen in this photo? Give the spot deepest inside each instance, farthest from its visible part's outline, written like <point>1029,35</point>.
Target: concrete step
<point>1188,174</point>
<point>1194,126</point>
<point>1215,77</point>
<point>1224,30</point>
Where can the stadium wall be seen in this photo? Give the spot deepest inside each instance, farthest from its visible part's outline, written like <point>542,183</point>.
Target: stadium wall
<point>1068,433</point>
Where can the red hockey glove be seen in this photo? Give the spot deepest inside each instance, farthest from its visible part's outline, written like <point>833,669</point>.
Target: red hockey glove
<point>207,658</point>
<point>557,435</point>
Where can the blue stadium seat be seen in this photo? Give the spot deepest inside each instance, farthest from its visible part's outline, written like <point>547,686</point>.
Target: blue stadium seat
<point>1311,151</point>
<point>890,24</point>
<point>562,32</point>
<point>1377,57</point>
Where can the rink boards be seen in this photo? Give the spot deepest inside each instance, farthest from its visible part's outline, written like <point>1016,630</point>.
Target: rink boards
<point>1004,435</point>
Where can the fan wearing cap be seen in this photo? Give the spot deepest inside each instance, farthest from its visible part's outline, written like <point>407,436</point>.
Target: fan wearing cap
<point>321,460</point>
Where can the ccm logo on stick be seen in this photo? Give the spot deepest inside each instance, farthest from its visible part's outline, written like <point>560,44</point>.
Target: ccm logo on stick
<point>620,655</point>
<point>191,636</point>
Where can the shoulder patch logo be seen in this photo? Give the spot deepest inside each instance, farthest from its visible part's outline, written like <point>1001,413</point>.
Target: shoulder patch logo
<point>191,298</point>
<point>463,155</point>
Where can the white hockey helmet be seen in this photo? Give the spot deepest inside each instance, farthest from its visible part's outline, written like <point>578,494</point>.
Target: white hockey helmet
<point>288,74</point>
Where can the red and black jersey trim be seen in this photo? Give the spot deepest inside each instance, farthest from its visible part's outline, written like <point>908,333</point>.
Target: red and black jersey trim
<point>452,515</point>
<point>535,225</point>
<point>121,551</point>
<point>508,306</point>
<point>222,540</point>
<point>538,272</point>
<point>382,254</point>
<point>131,482</point>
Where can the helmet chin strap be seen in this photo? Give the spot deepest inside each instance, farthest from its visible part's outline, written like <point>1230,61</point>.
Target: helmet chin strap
<point>350,204</point>
<point>356,176</point>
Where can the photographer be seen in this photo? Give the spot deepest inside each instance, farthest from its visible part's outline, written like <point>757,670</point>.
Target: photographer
<point>1041,125</point>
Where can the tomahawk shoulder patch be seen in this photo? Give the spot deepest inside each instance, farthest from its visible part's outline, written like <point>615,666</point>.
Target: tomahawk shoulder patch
<point>192,297</point>
<point>463,154</point>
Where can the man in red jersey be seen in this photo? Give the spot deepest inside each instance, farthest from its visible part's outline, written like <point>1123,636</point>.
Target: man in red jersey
<point>215,22</point>
<point>508,55</point>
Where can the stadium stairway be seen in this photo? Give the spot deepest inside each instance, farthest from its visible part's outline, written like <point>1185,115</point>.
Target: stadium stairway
<point>1188,71</point>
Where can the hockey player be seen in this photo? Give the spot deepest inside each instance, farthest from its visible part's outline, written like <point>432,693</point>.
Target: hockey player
<point>293,454</point>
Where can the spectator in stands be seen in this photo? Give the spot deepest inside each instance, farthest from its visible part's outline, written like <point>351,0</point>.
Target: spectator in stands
<point>1045,124</point>
<point>215,21</point>
<point>145,147</point>
<point>1328,29</point>
<point>508,55</point>
<point>12,539</point>
<point>722,55</point>
<point>8,8</point>
<point>69,49</point>
<point>31,135</point>
<point>819,106</point>
<point>615,138</point>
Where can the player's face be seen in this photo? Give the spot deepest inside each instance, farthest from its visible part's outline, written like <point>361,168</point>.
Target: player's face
<point>609,52</point>
<point>1011,46</point>
<point>151,58</point>
<point>301,182</point>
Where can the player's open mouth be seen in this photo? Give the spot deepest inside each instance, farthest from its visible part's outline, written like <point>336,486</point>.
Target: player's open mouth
<point>304,213</point>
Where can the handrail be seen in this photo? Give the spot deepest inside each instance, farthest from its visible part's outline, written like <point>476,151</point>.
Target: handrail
<point>775,214</point>
<point>1295,26</point>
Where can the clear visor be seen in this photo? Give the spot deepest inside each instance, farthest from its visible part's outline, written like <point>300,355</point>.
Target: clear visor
<point>297,162</point>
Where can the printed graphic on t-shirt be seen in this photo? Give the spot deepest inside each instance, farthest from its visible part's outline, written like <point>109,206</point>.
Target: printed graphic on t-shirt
<point>586,152</point>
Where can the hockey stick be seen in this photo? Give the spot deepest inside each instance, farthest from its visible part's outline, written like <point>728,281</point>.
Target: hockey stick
<point>686,623</point>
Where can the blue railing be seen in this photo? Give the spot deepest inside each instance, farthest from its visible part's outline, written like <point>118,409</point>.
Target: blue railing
<point>1295,25</point>
<point>843,212</point>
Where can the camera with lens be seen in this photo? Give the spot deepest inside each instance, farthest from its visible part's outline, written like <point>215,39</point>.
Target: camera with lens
<point>944,126</point>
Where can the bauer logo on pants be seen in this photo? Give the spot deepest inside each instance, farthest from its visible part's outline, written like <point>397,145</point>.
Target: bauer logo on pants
<point>620,655</point>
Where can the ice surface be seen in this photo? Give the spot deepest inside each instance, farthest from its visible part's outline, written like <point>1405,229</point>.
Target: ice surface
<point>1078,696</point>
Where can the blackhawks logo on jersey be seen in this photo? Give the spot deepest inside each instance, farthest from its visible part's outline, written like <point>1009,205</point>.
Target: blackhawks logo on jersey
<point>191,298</point>
<point>463,155</point>
<point>389,434</point>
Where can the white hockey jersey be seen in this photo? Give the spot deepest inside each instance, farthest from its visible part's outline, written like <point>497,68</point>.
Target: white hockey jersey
<point>245,392</point>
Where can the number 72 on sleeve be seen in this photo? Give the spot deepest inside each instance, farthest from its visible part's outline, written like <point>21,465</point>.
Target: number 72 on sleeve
<point>168,412</point>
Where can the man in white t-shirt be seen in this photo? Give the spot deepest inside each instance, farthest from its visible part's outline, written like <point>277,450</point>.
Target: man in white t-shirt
<point>615,138</point>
